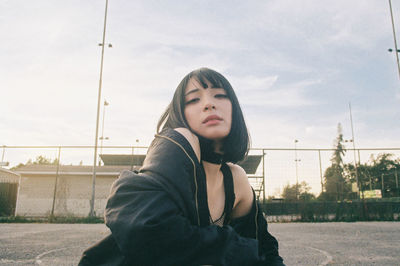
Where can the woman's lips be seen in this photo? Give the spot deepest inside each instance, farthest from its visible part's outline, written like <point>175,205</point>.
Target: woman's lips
<point>212,120</point>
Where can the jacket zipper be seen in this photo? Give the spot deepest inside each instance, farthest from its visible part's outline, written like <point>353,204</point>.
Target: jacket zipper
<point>256,219</point>
<point>194,173</point>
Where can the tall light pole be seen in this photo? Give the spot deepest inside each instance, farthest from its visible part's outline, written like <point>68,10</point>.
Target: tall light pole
<point>2,156</point>
<point>354,149</point>
<point>92,213</point>
<point>102,138</point>
<point>394,38</point>
<point>296,161</point>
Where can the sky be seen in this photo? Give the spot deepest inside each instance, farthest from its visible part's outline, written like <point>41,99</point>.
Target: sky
<point>295,67</point>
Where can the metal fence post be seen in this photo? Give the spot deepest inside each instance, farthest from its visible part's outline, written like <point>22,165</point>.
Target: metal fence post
<point>264,177</point>
<point>2,156</point>
<point>133,154</point>
<point>320,170</point>
<point>55,183</point>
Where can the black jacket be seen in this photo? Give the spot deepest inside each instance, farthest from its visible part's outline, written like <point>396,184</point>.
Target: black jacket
<point>159,217</point>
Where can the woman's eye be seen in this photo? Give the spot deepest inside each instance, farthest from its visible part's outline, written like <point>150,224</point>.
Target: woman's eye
<point>221,96</point>
<point>192,100</point>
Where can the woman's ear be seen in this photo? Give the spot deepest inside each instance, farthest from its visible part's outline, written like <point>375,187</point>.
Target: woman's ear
<point>192,138</point>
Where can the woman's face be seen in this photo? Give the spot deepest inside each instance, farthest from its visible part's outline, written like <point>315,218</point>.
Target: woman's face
<point>208,111</point>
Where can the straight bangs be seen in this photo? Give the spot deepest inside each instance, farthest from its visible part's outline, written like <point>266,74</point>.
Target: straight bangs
<point>205,75</point>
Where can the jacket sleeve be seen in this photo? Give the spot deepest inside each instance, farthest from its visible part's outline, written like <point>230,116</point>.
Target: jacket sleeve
<point>268,245</point>
<point>246,226</point>
<point>150,229</point>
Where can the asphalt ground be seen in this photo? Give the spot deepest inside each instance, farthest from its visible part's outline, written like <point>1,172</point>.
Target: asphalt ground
<point>360,243</point>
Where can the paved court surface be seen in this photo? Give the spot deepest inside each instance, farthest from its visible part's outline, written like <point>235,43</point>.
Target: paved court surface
<point>362,243</point>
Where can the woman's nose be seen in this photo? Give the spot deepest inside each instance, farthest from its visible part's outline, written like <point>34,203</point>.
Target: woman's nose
<point>209,106</point>
<point>208,101</point>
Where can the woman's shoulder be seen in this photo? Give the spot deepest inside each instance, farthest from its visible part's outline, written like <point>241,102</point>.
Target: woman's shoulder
<point>169,151</point>
<point>240,179</point>
<point>243,191</point>
<point>191,138</point>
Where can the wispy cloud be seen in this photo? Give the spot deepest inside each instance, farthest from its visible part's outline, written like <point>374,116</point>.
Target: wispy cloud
<point>264,92</point>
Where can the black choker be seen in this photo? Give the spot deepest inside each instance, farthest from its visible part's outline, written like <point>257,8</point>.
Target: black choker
<point>207,151</point>
<point>212,157</point>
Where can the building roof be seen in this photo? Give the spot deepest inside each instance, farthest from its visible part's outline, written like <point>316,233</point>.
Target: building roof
<point>44,169</point>
<point>250,164</point>
<point>7,176</point>
<point>114,164</point>
<point>3,170</point>
<point>123,159</point>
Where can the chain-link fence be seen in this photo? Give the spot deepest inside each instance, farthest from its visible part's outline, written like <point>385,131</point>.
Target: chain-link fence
<point>279,166</point>
<point>276,169</point>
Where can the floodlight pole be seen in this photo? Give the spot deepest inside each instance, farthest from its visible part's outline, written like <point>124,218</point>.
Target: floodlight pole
<point>354,149</point>
<point>297,175</point>
<point>102,138</point>
<point>320,170</point>
<point>2,156</point>
<point>394,37</point>
<point>92,213</point>
<point>56,181</point>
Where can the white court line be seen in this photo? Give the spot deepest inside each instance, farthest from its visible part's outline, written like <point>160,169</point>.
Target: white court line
<point>37,259</point>
<point>15,261</point>
<point>329,258</point>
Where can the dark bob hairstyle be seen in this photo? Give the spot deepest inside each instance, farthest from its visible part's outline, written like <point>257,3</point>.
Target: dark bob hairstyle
<point>236,144</point>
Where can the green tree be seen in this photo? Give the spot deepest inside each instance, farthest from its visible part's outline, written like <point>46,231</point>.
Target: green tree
<point>381,173</point>
<point>39,160</point>
<point>336,184</point>
<point>44,160</point>
<point>289,192</point>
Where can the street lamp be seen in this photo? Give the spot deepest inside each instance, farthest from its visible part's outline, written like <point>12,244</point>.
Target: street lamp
<point>3,163</point>
<point>133,153</point>
<point>394,38</point>
<point>91,212</point>
<point>296,161</point>
<point>102,138</point>
<point>354,151</point>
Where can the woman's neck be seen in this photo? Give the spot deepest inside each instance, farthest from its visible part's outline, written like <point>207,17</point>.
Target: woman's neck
<point>210,151</point>
<point>213,172</point>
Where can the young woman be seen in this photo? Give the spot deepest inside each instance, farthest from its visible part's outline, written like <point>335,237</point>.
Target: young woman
<point>190,204</point>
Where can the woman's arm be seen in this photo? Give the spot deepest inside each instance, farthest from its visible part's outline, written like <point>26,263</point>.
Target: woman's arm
<point>243,191</point>
<point>249,220</point>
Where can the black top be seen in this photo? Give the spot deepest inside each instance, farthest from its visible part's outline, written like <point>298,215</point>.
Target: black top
<point>225,217</point>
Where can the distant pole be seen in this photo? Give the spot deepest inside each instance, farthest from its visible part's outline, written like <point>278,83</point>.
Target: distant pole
<point>354,149</point>
<point>56,181</point>
<point>297,175</point>
<point>102,138</point>
<point>133,155</point>
<point>320,170</point>
<point>394,37</point>
<point>92,213</point>
<point>263,162</point>
<point>370,182</point>
<point>2,156</point>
